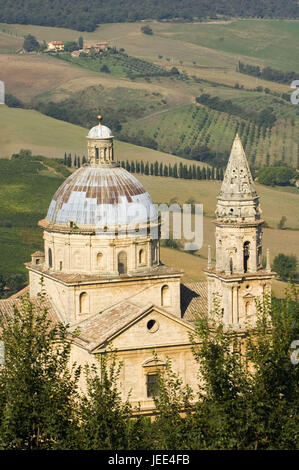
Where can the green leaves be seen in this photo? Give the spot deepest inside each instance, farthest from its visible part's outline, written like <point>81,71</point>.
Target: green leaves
<point>38,389</point>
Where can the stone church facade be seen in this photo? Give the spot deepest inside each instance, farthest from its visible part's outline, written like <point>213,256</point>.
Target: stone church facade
<point>102,274</point>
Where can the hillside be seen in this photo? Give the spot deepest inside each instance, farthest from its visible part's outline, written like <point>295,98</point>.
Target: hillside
<point>26,189</point>
<point>85,15</point>
<point>43,135</point>
<point>159,111</point>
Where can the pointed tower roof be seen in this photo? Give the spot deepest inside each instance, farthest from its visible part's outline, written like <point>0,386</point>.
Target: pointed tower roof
<point>238,200</point>
<point>237,183</point>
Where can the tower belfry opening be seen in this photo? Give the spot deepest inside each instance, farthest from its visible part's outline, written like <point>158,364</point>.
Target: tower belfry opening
<point>246,250</point>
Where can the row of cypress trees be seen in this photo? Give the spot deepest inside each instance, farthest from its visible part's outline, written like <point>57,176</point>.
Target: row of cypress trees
<point>180,170</point>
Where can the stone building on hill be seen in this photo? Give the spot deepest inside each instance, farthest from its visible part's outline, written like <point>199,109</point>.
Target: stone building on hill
<point>105,277</point>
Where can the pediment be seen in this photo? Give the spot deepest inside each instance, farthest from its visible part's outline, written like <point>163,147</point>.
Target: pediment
<point>153,327</point>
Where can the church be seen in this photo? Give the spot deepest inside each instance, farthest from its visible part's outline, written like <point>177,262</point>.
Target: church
<point>105,279</point>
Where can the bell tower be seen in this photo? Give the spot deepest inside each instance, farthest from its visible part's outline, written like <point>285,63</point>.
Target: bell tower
<point>238,276</point>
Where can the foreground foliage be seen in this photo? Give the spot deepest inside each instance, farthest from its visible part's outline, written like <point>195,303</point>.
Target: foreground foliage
<point>246,399</point>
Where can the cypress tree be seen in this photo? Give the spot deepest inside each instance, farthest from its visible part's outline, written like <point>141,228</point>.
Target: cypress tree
<point>194,172</point>
<point>152,169</point>
<point>175,171</point>
<point>146,169</point>
<point>181,170</point>
<point>161,169</point>
<point>198,173</point>
<point>142,167</point>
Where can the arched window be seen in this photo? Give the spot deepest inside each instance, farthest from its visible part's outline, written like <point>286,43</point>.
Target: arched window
<point>165,296</point>
<point>141,257</point>
<point>83,303</point>
<point>246,249</point>
<point>99,258</point>
<point>50,259</point>
<point>122,262</point>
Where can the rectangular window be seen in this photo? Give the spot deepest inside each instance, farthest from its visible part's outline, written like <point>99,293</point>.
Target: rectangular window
<point>152,385</point>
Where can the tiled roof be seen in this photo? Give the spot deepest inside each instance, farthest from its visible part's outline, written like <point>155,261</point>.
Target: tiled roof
<point>194,300</point>
<point>7,305</point>
<point>98,328</point>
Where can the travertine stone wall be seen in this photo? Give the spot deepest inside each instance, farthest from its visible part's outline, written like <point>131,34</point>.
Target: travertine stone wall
<point>98,296</point>
<point>92,254</point>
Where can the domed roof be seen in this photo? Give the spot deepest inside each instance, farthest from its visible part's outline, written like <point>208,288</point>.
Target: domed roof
<point>100,132</point>
<point>96,196</point>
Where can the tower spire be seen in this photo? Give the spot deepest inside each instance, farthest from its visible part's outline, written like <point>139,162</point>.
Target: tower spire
<point>238,200</point>
<point>237,182</point>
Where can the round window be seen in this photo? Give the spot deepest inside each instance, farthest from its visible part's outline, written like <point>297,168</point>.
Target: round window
<point>152,326</point>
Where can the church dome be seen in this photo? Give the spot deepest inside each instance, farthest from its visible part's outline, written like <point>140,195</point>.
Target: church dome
<point>98,197</point>
<point>100,132</point>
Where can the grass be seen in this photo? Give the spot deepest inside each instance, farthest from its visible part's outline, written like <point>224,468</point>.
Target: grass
<point>28,129</point>
<point>183,129</point>
<point>25,194</point>
<point>208,51</point>
<point>117,63</point>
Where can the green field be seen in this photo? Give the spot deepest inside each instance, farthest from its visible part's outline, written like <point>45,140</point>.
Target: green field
<point>161,108</point>
<point>43,135</point>
<point>26,189</point>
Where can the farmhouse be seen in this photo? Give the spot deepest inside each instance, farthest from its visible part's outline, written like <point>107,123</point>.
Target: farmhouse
<point>97,46</point>
<point>55,46</point>
<point>102,273</point>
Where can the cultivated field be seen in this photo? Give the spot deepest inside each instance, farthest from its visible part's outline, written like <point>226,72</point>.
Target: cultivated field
<point>43,135</point>
<point>27,187</point>
<point>207,52</point>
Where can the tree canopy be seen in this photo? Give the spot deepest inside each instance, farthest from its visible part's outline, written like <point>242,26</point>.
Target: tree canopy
<point>245,399</point>
<point>276,175</point>
<point>85,15</point>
